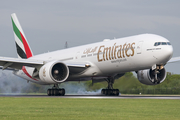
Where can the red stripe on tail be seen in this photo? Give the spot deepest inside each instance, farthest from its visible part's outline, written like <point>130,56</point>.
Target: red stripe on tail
<point>26,46</point>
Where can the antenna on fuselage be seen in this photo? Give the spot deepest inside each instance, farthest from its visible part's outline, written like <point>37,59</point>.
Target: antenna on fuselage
<point>66,45</point>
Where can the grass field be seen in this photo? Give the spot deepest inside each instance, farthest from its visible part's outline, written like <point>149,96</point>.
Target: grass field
<point>84,109</point>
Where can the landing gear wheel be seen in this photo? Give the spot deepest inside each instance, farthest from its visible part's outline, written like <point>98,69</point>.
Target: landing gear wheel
<point>49,92</point>
<point>114,91</point>
<point>117,92</point>
<point>103,91</point>
<point>60,92</point>
<point>56,91</point>
<point>110,91</point>
<point>52,92</point>
<point>63,92</point>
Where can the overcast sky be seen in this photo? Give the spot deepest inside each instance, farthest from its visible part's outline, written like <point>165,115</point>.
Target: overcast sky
<point>48,24</point>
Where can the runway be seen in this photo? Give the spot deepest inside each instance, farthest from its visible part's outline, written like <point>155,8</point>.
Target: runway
<point>99,96</point>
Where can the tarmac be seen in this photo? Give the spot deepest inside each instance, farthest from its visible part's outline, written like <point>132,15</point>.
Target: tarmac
<point>98,96</point>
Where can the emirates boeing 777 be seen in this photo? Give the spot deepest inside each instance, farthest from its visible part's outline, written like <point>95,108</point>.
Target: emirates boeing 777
<point>146,54</point>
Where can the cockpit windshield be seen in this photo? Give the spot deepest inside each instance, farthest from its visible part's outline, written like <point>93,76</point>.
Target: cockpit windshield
<point>161,43</point>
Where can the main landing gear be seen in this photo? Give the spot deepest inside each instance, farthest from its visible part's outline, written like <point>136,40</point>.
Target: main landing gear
<point>109,90</point>
<point>56,91</point>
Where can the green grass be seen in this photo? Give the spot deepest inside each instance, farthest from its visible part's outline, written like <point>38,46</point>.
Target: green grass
<point>83,109</point>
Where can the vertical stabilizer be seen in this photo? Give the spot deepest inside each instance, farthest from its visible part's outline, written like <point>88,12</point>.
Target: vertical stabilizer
<point>22,46</point>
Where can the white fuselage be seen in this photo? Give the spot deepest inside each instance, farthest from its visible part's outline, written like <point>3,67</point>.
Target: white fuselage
<point>109,58</point>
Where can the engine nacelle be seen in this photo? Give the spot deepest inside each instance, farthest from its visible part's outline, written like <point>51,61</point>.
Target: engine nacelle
<point>148,76</point>
<point>54,72</point>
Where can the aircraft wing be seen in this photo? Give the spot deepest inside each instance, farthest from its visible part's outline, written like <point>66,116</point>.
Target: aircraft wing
<point>17,64</point>
<point>174,59</point>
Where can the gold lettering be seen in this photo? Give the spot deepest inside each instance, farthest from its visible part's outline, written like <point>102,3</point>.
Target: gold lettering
<point>108,50</point>
<point>119,52</point>
<point>112,51</point>
<point>123,50</point>
<point>93,50</point>
<point>99,51</point>
<point>115,52</point>
<point>127,48</point>
<point>88,50</point>
<point>132,48</point>
<point>104,55</point>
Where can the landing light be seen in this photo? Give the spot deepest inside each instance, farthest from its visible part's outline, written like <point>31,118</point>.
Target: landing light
<point>87,65</point>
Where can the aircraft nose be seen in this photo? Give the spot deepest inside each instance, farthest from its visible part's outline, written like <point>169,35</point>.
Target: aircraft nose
<point>164,55</point>
<point>168,52</point>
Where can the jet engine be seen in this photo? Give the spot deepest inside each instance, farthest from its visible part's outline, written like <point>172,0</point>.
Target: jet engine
<point>54,72</point>
<point>151,77</point>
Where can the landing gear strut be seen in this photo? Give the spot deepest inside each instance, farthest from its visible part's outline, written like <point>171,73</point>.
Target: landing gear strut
<point>156,74</point>
<point>109,90</point>
<point>56,91</point>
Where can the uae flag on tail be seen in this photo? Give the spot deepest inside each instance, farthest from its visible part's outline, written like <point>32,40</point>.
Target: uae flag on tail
<point>22,46</point>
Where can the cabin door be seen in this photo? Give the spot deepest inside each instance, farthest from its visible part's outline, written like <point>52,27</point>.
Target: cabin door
<point>139,47</point>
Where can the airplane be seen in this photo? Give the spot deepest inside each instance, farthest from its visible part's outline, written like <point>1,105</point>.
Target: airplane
<point>146,54</point>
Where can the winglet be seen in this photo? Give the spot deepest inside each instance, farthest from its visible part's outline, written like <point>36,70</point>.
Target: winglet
<point>22,46</point>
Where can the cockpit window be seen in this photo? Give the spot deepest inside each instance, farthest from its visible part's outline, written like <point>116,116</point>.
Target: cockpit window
<point>161,43</point>
<point>155,44</point>
<point>164,43</point>
<point>168,43</point>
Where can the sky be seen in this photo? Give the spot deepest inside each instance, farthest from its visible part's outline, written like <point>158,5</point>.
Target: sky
<point>48,24</point>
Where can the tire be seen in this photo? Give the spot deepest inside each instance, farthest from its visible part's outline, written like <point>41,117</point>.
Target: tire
<point>52,92</point>
<point>55,92</point>
<point>109,92</point>
<point>106,91</point>
<point>63,92</point>
<point>114,92</point>
<point>60,92</point>
<point>103,91</point>
<point>49,92</point>
<point>117,92</point>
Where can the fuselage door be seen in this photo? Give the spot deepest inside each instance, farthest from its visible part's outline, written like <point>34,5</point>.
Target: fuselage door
<point>139,47</point>
<point>77,55</point>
